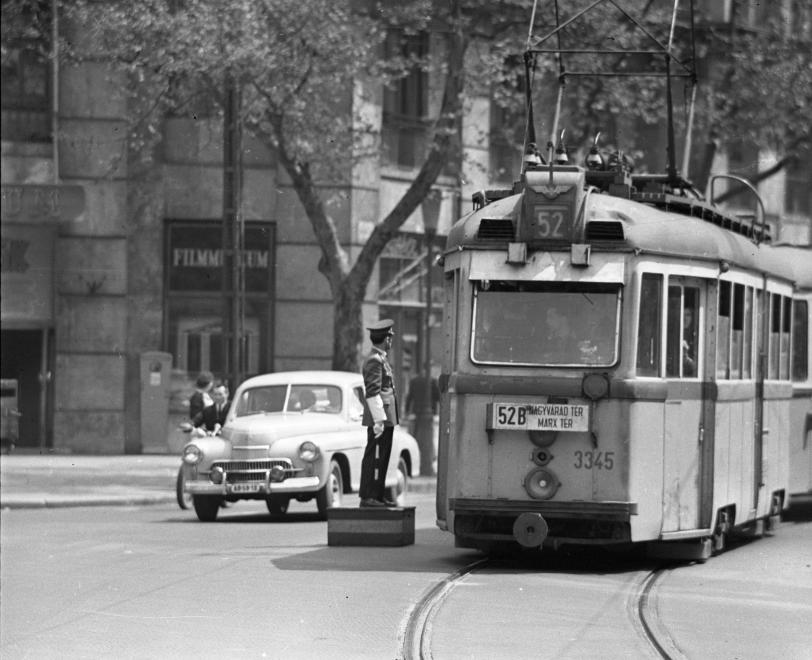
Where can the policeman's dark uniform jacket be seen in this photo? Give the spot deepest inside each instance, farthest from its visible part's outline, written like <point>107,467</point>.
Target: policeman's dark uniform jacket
<point>380,406</point>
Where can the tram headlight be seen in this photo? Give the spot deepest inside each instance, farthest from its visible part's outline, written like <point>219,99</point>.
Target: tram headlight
<point>541,484</point>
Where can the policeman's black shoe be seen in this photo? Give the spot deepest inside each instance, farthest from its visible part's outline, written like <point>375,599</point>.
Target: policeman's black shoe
<point>390,503</point>
<point>368,502</point>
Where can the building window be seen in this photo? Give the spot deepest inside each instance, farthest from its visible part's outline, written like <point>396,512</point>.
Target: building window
<point>743,162</point>
<point>798,199</point>
<point>26,73</point>
<point>508,121</point>
<point>405,102</point>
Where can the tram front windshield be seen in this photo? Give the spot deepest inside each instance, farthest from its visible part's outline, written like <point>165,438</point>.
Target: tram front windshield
<point>535,324</point>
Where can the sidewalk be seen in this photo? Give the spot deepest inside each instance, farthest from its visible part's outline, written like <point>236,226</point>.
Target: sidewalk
<point>62,480</point>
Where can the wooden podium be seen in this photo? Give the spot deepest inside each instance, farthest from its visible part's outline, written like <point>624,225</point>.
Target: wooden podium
<point>370,526</point>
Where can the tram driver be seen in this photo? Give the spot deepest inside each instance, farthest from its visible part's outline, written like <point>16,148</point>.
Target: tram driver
<point>559,337</point>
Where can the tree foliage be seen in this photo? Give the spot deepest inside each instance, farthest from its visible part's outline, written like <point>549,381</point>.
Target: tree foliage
<point>303,65</point>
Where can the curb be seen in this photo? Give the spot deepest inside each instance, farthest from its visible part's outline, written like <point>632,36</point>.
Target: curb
<point>54,501</point>
<point>62,502</point>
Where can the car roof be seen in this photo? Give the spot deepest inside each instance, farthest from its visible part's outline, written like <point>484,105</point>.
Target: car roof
<point>339,378</point>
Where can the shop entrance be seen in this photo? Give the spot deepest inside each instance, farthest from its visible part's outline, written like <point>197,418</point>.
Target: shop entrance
<point>25,372</point>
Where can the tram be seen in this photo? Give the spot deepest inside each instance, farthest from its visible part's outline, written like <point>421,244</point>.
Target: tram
<point>623,362</point>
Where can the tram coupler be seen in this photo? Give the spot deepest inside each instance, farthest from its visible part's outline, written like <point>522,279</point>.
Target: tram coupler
<point>530,530</point>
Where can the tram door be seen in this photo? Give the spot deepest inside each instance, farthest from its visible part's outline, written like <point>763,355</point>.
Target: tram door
<point>684,426</point>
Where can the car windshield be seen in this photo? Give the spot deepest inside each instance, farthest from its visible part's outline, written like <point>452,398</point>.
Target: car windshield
<point>528,323</point>
<point>316,398</point>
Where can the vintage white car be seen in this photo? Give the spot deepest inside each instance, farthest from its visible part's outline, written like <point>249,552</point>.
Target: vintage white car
<point>294,434</point>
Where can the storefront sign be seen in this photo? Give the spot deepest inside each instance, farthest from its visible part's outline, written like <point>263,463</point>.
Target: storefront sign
<point>32,204</point>
<point>195,259</point>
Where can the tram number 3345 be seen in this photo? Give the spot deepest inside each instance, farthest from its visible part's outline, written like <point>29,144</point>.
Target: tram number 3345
<point>587,460</point>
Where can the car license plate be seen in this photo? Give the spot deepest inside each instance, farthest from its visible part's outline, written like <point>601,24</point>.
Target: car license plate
<point>569,417</point>
<point>246,488</point>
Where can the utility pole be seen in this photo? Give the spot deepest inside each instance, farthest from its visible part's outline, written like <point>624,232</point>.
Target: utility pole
<point>424,399</point>
<point>233,290</point>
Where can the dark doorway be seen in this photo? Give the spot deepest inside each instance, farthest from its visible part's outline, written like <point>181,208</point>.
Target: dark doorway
<point>24,360</point>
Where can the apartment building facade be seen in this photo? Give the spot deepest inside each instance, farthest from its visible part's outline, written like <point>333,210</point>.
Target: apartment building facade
<point>112,276</point>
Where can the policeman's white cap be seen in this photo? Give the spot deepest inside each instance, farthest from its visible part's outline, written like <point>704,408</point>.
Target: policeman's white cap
<point>382,327</point>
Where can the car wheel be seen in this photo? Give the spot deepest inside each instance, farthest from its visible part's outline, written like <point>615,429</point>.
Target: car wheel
<point>184,499</point>
<point>207,506</point>
<point>278,504</point>
<point>398,492</point>
<point>330,494</point>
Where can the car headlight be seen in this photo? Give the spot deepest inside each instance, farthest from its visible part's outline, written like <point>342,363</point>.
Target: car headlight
<point>308,451</point>
<point>192,454</point>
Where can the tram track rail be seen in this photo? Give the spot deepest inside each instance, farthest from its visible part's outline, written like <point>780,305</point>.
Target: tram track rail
<point>416,635</point>
<point>646,617</point>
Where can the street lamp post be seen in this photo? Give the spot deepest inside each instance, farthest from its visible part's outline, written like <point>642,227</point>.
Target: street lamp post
<point>425,414</point>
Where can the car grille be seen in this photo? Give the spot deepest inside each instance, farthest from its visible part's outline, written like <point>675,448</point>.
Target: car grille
<point>242,471</point>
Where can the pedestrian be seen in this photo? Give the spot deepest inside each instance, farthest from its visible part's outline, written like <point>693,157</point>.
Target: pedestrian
<point>213,417</point>
<point>380,416</point>
<point>201,397</point>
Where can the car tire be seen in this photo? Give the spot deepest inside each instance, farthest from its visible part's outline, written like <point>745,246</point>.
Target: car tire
<point>184,499</point>
<point>398,493</point>
<point>206,507</point>
<point>278,504</point>
<point>331,493</point>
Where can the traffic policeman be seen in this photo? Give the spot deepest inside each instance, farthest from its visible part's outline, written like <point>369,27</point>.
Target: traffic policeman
<point>380,415</point>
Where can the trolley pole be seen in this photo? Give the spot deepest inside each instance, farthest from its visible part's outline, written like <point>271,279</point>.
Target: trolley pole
<point>425,412</point>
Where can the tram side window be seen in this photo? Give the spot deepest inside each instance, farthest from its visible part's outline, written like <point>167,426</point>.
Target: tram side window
<point>761,316</point>
<point>747,341</point>
<point>723,338</point>
<point>786,330</point>
<point>682,338</point>
<point>735,331</point>
<point>800,341</point>
<point>775,336</point>
<point>780,324</point>
<point>648,327</point>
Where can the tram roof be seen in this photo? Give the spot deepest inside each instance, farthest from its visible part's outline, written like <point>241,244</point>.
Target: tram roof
<point>650,230</point>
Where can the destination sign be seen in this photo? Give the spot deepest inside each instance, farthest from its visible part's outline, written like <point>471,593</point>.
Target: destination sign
<point>539,417</point>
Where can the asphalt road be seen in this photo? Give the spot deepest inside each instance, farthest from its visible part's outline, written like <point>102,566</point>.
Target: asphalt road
<point>153,582</point>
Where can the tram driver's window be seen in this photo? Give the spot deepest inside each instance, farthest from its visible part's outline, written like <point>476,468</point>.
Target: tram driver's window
<point>648,325</point>
<point>682,336</point>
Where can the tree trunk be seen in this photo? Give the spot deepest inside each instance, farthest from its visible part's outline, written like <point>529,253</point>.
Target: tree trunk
<point>347,330</point>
